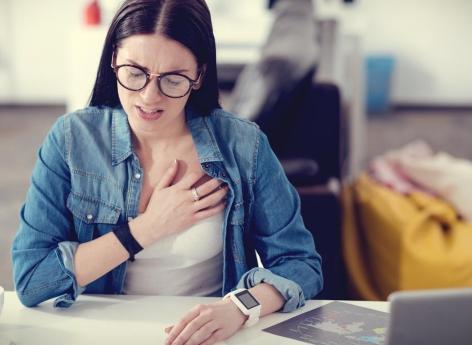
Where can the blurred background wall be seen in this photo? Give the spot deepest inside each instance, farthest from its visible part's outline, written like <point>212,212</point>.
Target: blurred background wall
<point>428,39</point>
<point>425,36</point>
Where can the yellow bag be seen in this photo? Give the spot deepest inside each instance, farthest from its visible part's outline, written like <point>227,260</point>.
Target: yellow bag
<point>396,242</point>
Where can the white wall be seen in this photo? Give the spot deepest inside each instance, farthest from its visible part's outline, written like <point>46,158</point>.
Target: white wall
<point>5,71</point>
<point>38,32</point>
<point>431,42</point>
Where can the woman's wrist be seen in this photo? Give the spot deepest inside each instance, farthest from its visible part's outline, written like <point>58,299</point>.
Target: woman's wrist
<point>240,315</point>
<point>268,296</point>
<point>140,230</point>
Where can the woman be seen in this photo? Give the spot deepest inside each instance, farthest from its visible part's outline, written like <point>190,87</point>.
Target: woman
<point>153,189</point>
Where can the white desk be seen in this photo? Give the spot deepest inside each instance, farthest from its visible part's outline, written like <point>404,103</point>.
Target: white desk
<point>126,320</point>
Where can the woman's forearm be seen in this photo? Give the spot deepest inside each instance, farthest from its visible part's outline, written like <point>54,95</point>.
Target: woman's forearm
<point>95,258</point>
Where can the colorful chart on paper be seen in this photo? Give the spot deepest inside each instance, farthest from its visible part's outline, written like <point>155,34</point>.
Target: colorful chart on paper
<point>336,323</point>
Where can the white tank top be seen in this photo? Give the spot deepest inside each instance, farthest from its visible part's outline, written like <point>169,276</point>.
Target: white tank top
<point>189,263</point>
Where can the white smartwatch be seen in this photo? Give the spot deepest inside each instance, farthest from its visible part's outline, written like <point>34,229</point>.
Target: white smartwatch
<point>248,305</point>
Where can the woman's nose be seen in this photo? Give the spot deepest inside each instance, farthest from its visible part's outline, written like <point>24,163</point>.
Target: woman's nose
<point>151,92</point>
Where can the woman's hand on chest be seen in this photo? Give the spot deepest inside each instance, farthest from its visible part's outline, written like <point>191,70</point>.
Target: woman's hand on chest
<point>173,207</point>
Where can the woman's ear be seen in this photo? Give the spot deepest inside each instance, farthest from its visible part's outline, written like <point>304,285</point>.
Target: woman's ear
<point>201,76</point>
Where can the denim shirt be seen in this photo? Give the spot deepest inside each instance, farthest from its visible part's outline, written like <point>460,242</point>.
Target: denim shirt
<point>87,180</point>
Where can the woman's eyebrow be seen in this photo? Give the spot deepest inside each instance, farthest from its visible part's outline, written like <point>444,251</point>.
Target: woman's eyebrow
<point>145,68</point>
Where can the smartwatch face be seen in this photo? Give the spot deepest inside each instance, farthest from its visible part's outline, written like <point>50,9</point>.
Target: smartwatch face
<point>247,299</point>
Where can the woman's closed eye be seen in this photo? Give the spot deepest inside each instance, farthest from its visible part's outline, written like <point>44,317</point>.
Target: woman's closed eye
<point>135,74</point>
<point>173,80</point>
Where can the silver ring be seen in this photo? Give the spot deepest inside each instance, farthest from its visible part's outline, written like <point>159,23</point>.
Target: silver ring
<point>195,195</point>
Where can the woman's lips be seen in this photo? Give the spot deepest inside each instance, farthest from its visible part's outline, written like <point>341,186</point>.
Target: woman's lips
<point>149,114</point>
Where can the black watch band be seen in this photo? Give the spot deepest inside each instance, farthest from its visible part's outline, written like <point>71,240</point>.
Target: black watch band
<point>127,240</point>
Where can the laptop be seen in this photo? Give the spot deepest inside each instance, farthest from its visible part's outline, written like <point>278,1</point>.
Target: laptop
<point>430,317</point>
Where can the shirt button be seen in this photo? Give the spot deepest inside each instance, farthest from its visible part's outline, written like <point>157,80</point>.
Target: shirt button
<point>89,216</point>
<point>137,176</point>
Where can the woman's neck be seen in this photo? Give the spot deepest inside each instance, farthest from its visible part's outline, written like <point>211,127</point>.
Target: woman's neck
<point>160,140</point>
<point>163,135</point>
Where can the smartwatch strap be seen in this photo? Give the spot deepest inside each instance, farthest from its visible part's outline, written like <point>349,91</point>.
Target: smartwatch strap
<point>253,318</point>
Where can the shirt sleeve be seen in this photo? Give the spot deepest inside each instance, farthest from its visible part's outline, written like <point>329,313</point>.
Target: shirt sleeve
<point>44,247</point>
<point>286,248</point>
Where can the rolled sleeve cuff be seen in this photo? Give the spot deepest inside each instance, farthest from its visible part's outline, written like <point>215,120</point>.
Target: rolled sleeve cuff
<point>67,251</point>
<point>291,291</point>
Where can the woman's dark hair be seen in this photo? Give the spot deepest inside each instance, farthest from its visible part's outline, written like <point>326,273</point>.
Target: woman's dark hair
<point>185,21</point>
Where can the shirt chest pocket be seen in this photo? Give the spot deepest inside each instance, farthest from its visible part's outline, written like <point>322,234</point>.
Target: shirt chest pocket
<point>92,217</point>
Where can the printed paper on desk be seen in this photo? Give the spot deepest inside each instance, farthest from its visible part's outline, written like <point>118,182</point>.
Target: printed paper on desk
<point>336,323</point>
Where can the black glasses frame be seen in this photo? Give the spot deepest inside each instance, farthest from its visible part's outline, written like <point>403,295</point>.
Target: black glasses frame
<point>150,76</point>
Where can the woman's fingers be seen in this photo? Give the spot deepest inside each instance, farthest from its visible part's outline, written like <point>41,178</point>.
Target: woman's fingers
<point>190,179</point>
<point>209,212</point>
<point>215,337</point>
<point>169,175</point>
<point>209,186</point>
<point>178,328</point>
<point>203,333</point>
<point>211,199</point>
<point>207,324</point>
<point>197,331</point>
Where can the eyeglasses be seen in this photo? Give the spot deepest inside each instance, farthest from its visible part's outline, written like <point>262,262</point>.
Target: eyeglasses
<point>135,78</point>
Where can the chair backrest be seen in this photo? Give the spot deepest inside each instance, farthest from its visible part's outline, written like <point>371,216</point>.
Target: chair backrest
<point>305,122</point>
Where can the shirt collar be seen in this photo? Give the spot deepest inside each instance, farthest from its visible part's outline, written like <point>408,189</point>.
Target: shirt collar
<point>202,136</point>
<point>121,146</point>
